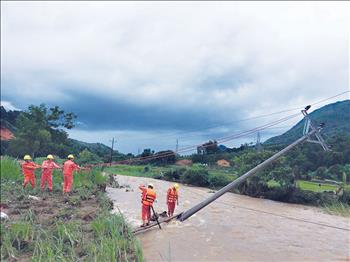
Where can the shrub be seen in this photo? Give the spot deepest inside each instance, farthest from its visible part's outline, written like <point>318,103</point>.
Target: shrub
<point>219,181</point>
<point>174,174</point>
<point>345,197</point>
<point>198,177</point>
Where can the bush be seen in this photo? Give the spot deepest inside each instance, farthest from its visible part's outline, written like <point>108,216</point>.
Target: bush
<point>86,156</point>
<point>345,197</point>
<point>174,174</point>
<point>219,181</point>
<point>194,176</point>
<point>311,198</point>
<point>198,177</point>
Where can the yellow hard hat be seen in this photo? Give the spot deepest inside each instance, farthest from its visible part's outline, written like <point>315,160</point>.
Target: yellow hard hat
<point>150,185</point>
<point>70,156</point>
<point>27,157</point>
<point>176,186</point>
<point>49,157</point>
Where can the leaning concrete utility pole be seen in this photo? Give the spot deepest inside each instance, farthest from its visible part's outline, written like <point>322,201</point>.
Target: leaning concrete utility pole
<point>111,156</point>
<point>306,137</point>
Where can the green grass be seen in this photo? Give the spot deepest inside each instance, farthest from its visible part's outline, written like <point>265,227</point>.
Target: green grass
<point>339,209</point>
<point>312,186</point>
<point>138,171</point>
<point>156,171</point>
<point>65,236</point>
<point>273,183</point>
<point>10,169</point>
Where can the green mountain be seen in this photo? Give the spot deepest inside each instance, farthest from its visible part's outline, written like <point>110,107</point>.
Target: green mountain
<point>336,117</point>
<point>96,148</point>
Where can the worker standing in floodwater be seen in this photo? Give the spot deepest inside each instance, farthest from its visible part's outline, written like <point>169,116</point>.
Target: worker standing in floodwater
<point>68,170</point>
<point>172,198</point>
<point>147,198</point>
<point>47,169</point>
<point>28,168</point>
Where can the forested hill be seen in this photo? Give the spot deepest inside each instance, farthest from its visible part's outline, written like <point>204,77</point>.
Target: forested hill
<point>336,117</point>
<point>61,146</point>
<point>96,148</point>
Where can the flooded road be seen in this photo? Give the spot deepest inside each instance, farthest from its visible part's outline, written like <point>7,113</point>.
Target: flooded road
<point>234,228</point>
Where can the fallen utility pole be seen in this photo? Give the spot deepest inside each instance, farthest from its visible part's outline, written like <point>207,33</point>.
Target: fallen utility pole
<point>160,221</point>
<point>306,137</point>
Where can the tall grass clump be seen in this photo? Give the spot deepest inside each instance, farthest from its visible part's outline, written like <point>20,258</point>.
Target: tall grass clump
<point>338,208</point>
<point>89,179</point>
<point>10,169</point>
<point>113,240</point>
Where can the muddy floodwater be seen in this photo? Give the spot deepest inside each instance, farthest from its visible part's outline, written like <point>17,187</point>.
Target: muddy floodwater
<point>234,228</point>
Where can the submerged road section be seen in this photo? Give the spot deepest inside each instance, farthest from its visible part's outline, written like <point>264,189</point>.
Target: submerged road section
<point>234,228</point>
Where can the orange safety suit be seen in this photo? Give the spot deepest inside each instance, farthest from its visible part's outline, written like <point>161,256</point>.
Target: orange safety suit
<point>147,199</point>
<point>28,172</point>
<point>68,169</point>
<point>171,199</point>
<point>46,176</point>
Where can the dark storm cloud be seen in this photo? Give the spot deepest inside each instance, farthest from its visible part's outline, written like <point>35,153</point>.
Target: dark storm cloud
<point>103,113</point>
<point>171,67</point>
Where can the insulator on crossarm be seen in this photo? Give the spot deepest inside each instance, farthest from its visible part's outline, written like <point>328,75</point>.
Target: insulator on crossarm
<point>307,107</point>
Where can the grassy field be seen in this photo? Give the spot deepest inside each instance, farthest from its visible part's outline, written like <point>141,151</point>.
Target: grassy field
<point>227,173</point>
<point>78,227</point>
<point>155,171</point>
<point>315,187</point>
<point>139,171</point>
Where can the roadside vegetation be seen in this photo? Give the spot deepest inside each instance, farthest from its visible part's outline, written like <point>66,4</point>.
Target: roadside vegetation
<point>45,226</point>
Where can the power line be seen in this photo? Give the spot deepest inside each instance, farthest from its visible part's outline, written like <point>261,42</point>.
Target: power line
<point>247,119</point>
<point>228,138</point>
<point>220,140</point>
<point>274,214</point>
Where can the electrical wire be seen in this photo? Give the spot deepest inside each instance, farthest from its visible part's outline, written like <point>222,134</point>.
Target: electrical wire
<point>273,214</point>
<point>193,147</point>
<point>250,118</point>
<point>223,139</point>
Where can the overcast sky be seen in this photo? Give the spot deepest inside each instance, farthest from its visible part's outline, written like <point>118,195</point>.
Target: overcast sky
<point>147,73</point>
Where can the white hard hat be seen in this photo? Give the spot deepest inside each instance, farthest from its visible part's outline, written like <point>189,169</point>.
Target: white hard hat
<point>150,185</point>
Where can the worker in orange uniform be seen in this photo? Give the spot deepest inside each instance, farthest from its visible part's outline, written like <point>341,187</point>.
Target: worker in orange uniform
<point>68,169</point>
<point>172,197</point>
<point>47,168</point>
<point>28,168</point>
<point>147,199</point>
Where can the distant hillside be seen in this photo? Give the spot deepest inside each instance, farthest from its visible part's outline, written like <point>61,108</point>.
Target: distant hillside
<point>336,116</point>
<point>97,148</point>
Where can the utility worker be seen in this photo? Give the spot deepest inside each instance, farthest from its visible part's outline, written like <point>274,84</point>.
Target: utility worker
<point>172,197</point>
<point>147,198</point>
<point>47,168</point>
<point>28,168</point>
<point>68,169</point>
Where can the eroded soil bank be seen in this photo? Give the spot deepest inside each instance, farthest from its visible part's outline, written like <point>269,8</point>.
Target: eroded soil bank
<point>235,228</point>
